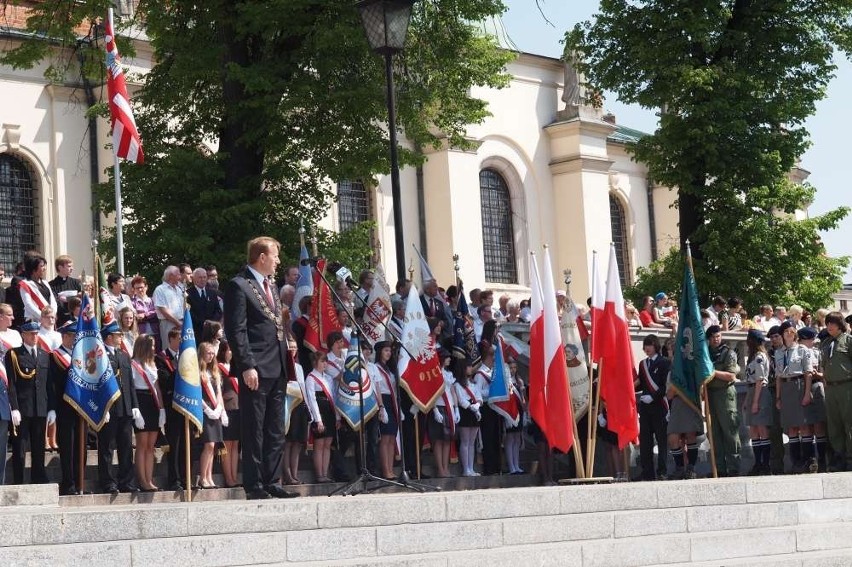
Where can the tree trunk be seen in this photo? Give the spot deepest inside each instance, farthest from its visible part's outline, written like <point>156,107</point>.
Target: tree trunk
<point>691,215</point>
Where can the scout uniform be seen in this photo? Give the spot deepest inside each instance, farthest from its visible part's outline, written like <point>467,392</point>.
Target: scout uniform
<point>722,401</point>
<point>837,371</point>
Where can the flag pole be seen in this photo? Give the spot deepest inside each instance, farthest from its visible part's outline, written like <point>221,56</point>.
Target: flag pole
<point>119,229</point>
<point>707,418</point>
<point>578,448</point>
<point>417,442</point>
<point>592,446</point>
<point>187,459</point>
<point>590,416</point>
<point>81,464</point>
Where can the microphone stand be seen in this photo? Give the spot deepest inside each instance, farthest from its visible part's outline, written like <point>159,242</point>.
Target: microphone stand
<point>365,477</point>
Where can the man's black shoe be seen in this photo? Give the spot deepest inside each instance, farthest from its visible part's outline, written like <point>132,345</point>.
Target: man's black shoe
<point>277,492</point>
<point>176,486</point>
<point>110,489</point>
<point>257,495</point>
<point>129,489</point>
<point>70,491</point>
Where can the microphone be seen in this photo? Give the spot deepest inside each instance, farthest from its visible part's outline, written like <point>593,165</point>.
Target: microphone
<point>344,274</point>
<point>308,262</point>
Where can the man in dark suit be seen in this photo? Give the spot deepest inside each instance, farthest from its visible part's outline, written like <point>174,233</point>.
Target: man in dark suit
<point>203,302</point>
<point>67,419</point>
<point>653,409</point>
<point>118,431</point>
<point>435,308</point>
<point>167,363</point>
<point>27,367</point>
<point>255,331</point>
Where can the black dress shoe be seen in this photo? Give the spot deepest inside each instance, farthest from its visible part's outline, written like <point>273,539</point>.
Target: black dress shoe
<point>257,495</point>
<point>130,489</point>
<point>276,491</point>
<point>176,486</point>
<point>70,491</point>
<point>110,489</point>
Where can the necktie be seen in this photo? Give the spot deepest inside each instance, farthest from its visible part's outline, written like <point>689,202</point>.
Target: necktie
<point>268,293</point>
<point>203,295</point>
<point>433,306</point>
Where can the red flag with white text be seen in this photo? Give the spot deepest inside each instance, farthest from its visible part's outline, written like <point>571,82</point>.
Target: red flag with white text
<point>419,366</point>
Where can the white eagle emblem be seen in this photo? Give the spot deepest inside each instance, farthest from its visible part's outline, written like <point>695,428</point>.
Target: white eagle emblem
<point>418,342</point>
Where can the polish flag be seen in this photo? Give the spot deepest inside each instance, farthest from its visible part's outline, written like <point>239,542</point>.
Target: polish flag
<point>560,419</point>
<point>598,303</point>
<point>536,391</point>
<point>616,378</point>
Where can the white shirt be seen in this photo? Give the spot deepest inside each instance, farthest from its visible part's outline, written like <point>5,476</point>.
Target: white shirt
<point>449,383</point>
<point>119,302</point>
<point>313,384</point>
<point>139,380</point>
<point>483,381</point>
<point>31,309</point>
<point>10,338</point>
<point>48,339</point>
<point>463,396</point>
<point>171,298</point>
<point>377,377</point>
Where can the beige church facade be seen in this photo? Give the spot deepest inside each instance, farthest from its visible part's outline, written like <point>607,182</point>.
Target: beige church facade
<point>536,173</point>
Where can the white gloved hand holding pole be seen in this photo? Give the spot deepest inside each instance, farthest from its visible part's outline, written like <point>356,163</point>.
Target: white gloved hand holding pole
<point>439,417</point>
<point>16,418</point>
<point>51,417</point>
<point>646,399</point>
<point>138,420</point>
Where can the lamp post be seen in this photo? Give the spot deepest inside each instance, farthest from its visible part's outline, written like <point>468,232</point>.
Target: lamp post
<point>386,25</point>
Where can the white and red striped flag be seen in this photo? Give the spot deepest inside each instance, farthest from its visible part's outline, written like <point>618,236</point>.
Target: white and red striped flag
<point>597,309</point>
<point>537,375</point>
<point>125,137</point>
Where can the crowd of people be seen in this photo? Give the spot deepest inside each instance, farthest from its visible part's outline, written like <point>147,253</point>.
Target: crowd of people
<point>252,342</point>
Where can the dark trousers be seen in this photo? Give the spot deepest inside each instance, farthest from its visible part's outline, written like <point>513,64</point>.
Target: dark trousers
<point>4,443</point>
<point>262,433</point>
<point>343,441</point>
<point>176,457</point>
<point>68,436</point>
<point>489,427</point>
<point>30,437</point>
<point>118,434</point>
<point>652,426</point>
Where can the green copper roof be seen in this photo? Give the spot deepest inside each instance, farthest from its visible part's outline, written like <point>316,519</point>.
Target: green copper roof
<point>624,135</point>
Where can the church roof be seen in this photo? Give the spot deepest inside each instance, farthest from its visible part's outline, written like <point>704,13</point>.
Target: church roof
<point>625,135</point>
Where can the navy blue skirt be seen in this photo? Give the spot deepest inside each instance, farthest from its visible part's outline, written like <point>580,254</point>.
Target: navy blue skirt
<point>391,427</point>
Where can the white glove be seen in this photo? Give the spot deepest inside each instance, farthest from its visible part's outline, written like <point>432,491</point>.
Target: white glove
<point>51,417</point>
<point>106,418</point>
<point>601,420</point>
<point>646,399</point>
<point>16,417</point>
<point>474,408</point>
<point>478,416</point>
<point>161,421</point>
<point>439,417</point>
<point>138,420</point>
<point>456,415</point>
<point>224,418</point>
<point>414,409</point>
<point>383,415</point>
<point>209,412</point>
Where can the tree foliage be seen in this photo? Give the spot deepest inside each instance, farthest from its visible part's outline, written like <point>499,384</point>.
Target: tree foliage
<point>253,109</point>
<point>736,80</point>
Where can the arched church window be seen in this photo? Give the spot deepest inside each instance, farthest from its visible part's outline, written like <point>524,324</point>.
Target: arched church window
<point>618,221</point>
<point>498,236</point>
<point>18,227</point>
<point>353,204</point>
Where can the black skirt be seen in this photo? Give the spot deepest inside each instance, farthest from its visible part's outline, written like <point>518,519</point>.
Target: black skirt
<point>439,431</point>
<point>328,418</point>
<point>149,411</point>
<point>232,432</point>
<point>391,427</point>
<point>467,418</point>
<point>211,431</point>
<point>299,420</point>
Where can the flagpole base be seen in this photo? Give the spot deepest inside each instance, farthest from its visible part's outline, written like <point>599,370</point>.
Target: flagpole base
<point>361,485</point>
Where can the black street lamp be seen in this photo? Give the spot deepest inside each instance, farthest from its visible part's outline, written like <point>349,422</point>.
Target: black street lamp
<point>386,25</point>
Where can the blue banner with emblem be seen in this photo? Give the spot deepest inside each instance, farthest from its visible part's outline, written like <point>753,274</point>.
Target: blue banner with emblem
<point>92,386</point>
<point>692,364</point>
<point>187,397</point>
<point>348,397</point>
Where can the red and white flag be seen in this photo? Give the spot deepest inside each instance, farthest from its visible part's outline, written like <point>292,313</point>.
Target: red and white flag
<point>419,366</point>
<point>537,377</point>
<point>560,418</point>
<point>616,378</point>
<point>125,137</point>
<point>598,303</point>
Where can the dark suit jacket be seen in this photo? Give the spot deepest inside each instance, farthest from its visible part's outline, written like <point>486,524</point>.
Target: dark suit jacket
<point>202,309</point>
<point>441,313</point>
<point>166,368</point>
<point>659,373</point>
<point>5,404</point>
<point>56,390</point>
<point>124,405</point>
<point>29,396</point>
<point>252,335</point>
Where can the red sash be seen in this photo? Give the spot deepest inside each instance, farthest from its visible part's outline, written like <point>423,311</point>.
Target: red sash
<point>62,358</point>
<point>227,372</point>
<point>141,370</point>
<point>471,394</point>
<point>6,347</point>
<point>35,294</point>
<point>211,394</point>
<point>124,346</point>
<point>325,391</point>
<point>43,345</point>
<point>386,375</point>
<point>650,385</point>
<point>484,375</point>
<point>449,405</point>
<point>167,360</point>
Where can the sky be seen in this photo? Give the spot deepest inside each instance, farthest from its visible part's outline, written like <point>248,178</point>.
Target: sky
<point>541,32</point>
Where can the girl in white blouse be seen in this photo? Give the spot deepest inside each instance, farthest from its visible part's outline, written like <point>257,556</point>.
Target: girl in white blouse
<point>318,389</point>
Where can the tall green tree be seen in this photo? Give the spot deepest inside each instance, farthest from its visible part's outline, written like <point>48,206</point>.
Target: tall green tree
<point>288,96</point>
<point>735,81</point>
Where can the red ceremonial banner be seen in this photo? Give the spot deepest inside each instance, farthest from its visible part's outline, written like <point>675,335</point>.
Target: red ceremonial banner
<point>323,318</point>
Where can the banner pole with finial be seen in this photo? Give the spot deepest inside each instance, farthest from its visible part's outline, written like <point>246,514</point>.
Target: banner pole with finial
<point>314,249</point>
<point>301,233</point>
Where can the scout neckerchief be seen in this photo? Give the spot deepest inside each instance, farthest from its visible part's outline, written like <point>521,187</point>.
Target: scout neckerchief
<point>226,371</point>
<point>650,385</point>
<point>143,372</point>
